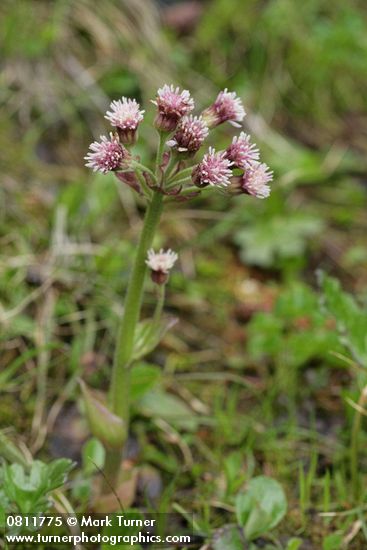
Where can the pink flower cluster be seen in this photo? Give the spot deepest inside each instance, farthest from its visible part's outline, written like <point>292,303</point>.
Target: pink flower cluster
<point>238,168</point>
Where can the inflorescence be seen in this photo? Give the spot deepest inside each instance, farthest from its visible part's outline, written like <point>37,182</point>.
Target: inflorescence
<point>236,170</point>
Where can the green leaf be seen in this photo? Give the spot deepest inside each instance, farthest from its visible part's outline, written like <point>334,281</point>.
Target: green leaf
<point>104,424</point>
<point>265,335</point>
<point>143,378</point>
<point>148,335</point>
<point>261,507</point>
<point>93,454</point>
<point>57,472</point>
<point>294,544</point>
<point>351,319</point>
<point>9,451</point>
<point>230,537</point>
<point>159,404</point>
<point>276,238</point>
<point>29,491</point>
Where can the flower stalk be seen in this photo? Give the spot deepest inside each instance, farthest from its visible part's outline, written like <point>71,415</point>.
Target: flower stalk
<point>120,388</point>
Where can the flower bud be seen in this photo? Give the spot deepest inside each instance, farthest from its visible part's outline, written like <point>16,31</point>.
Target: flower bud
<point>160,264</point>
<point>255,181</point>
<point>242,152</point>
<point>227,107</point>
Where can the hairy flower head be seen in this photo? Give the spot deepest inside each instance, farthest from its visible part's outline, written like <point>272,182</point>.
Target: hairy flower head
<point>106,155</point>
<point>172,105</point>
<point>214,169</point>
<point>190,134</point>
<point>256,181</point>
<point>125,115</point>
<point>242,152</point>
<point>227,107</point>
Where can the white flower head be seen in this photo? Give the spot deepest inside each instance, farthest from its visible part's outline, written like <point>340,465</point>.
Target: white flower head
<point>161,261</point>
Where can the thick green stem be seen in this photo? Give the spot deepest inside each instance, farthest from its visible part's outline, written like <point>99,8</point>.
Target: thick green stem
<point>120,386</point>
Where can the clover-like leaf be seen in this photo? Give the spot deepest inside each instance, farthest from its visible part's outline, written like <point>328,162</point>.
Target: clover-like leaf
<point>261,507</point>
<point>28,490</point>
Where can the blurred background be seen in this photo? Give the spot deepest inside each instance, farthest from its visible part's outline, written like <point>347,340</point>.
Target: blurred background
<point>245,289</point>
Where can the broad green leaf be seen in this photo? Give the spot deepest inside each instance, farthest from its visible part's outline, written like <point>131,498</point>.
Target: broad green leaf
<point>229,537</point>
<point>29,491</point>
<point>20,489</point>
<point>159,404</point>
<point>276,238</point>
<point>294,332</point>
<point>294,544</point>
<point>261,507</point>
<point>143,378</point>
<point>93,454</point>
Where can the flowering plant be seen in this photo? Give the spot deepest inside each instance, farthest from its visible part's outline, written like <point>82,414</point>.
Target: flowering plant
<point>177,176</point>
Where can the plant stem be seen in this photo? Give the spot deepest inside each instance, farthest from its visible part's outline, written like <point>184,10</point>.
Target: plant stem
<point>186,172</point>
<point>143,168</point>
<point>159,306</point>
<point>120,385</point>
<point>158,160</point>
<point>147,190</point>
<point>354,448</point>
